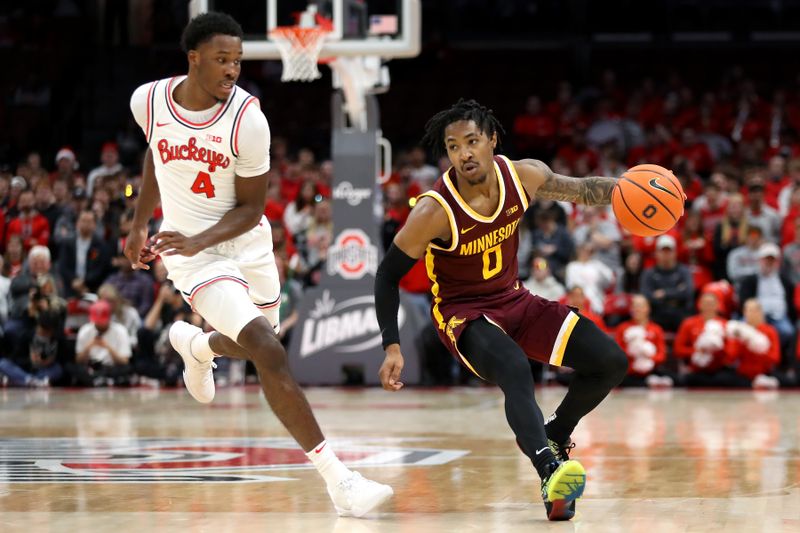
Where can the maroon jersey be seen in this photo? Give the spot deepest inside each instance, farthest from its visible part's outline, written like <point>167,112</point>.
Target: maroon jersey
<point>480,259</point>
<point>474,274</point>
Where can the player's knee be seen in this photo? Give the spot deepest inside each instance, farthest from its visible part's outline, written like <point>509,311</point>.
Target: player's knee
<point>266,351</point>
<point>513,371</point>
<point>269,355</point>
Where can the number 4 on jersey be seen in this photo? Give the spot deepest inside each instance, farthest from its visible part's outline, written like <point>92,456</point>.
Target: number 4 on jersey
<point>202,185</point>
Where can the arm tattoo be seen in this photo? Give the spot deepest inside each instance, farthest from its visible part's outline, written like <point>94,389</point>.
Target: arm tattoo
<point>594,190</point>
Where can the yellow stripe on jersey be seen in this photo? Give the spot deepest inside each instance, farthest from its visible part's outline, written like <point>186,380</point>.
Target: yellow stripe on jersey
<point>517,183</point>
<point>557,355</point>
<point>434,288</point>
<point>465,206</point>
<point>451,217</point>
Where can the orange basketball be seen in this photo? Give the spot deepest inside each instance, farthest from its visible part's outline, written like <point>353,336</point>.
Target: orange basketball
<point>648,200</point>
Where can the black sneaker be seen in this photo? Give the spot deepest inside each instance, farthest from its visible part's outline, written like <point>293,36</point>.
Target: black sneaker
<point>561,451</point>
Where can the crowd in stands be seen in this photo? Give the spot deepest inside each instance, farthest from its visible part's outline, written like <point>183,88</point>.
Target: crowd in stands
<point>713,302</point>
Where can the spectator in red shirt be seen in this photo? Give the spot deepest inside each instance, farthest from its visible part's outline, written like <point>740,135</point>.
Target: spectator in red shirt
<point>556,107</point>
<point>658,148</point>
<point>534,131</point>
<point>30,225</point>
<point>776,180</point>
<point>651,113</point>
<point>696,152</point>
<point>726,296</point>
<point>756,346</point>
<point>395,212</point>
<point>712,203</point>
<point>789,220</point>
<point>793,184</point>
<point>16,187</point>
<point>577,150</point>
<point>687,114</point>
<point>702,344</point>
<point>67,168</point>
<point>275,204</point>
<point>688,178</point>
<point>283,245</point>
<point>695,249</point>
<point>291,181</point>
<point>643,342</point>
<point>576,298</point>
<point>14,257</point>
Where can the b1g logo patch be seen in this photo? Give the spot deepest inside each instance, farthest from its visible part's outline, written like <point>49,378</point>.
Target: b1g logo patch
<point>352,255</point>
<point>178,460</point>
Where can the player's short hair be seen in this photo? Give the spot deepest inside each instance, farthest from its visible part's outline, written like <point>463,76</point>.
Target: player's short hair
<point>205,26</point>
<point>461,110</point>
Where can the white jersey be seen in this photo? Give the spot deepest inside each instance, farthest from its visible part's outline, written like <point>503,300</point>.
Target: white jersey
<point>198,154</point>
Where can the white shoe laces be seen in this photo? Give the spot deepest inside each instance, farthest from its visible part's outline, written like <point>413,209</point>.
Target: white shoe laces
<point>207,369</point>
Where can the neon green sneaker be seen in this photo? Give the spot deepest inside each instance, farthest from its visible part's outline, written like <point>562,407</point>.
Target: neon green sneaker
<point>561,451</point>
<point>561,488</point>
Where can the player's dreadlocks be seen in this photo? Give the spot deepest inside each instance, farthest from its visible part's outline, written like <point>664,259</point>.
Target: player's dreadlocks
<point>205,26</point>
<point>461,110</point>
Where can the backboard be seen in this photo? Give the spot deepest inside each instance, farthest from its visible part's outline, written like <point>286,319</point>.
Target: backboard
<point>383,28</point>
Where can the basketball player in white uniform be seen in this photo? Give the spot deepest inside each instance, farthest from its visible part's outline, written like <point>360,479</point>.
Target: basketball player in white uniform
<point>207,160</point>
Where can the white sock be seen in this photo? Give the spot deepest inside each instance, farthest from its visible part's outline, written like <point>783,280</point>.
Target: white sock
<point>327,464</point>
<point>201,349</point>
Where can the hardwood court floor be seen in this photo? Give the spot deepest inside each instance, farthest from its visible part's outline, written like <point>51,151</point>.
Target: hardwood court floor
<point>146,460</point>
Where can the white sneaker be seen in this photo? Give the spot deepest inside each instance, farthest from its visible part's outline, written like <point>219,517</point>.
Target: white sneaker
<point>198,376</point>
<point>357,495</point>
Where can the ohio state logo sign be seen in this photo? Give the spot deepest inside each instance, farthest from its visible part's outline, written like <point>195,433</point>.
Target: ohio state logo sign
<point>180,460</point>
<point>352,255</point>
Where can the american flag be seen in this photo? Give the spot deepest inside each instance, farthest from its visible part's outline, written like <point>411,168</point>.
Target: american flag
<point>382,24</point>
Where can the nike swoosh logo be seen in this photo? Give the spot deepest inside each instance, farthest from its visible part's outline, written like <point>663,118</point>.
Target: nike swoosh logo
<point>543,449</point>
<point>656,185</point>
<point>162,124</point>
<point>464,230</point>
<point>320,448</point>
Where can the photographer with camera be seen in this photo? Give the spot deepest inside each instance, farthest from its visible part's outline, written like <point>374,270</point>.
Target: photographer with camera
<point>37,361</point>
<point>102,351</point>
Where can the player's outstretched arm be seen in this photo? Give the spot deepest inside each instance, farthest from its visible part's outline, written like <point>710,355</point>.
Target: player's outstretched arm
<point>541,182</point>
<point>135,250</point>
<point>426,222</point>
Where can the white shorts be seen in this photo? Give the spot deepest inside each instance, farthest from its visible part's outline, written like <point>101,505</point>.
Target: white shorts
<point>244,278</point>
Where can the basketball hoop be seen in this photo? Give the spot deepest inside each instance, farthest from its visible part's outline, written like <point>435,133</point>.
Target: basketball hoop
<point>299,49</point>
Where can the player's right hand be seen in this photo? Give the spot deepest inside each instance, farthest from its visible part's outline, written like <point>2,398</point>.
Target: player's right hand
<point>136,250</point>
<point>391,368</point>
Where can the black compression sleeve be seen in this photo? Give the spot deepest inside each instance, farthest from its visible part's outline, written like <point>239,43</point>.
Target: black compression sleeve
<point>396,264</point>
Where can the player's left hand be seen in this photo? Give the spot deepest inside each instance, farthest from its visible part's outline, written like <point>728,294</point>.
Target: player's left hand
<point>174,243</point>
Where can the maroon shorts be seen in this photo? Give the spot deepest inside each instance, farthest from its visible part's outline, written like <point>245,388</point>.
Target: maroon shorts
<point>541,327</point>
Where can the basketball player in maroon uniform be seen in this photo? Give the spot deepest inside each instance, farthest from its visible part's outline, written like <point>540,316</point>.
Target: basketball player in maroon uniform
<point>466,227</point>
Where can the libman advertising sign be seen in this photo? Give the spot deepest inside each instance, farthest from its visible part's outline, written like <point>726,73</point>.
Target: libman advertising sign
<point>339,328</point>
<point>337,332</point>
<point>347,326</point>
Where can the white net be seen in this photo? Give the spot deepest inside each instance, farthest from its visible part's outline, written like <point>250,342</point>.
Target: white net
<point>299,48</point>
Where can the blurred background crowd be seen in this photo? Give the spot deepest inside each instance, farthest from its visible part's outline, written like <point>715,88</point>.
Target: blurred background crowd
<point>712,303</point>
